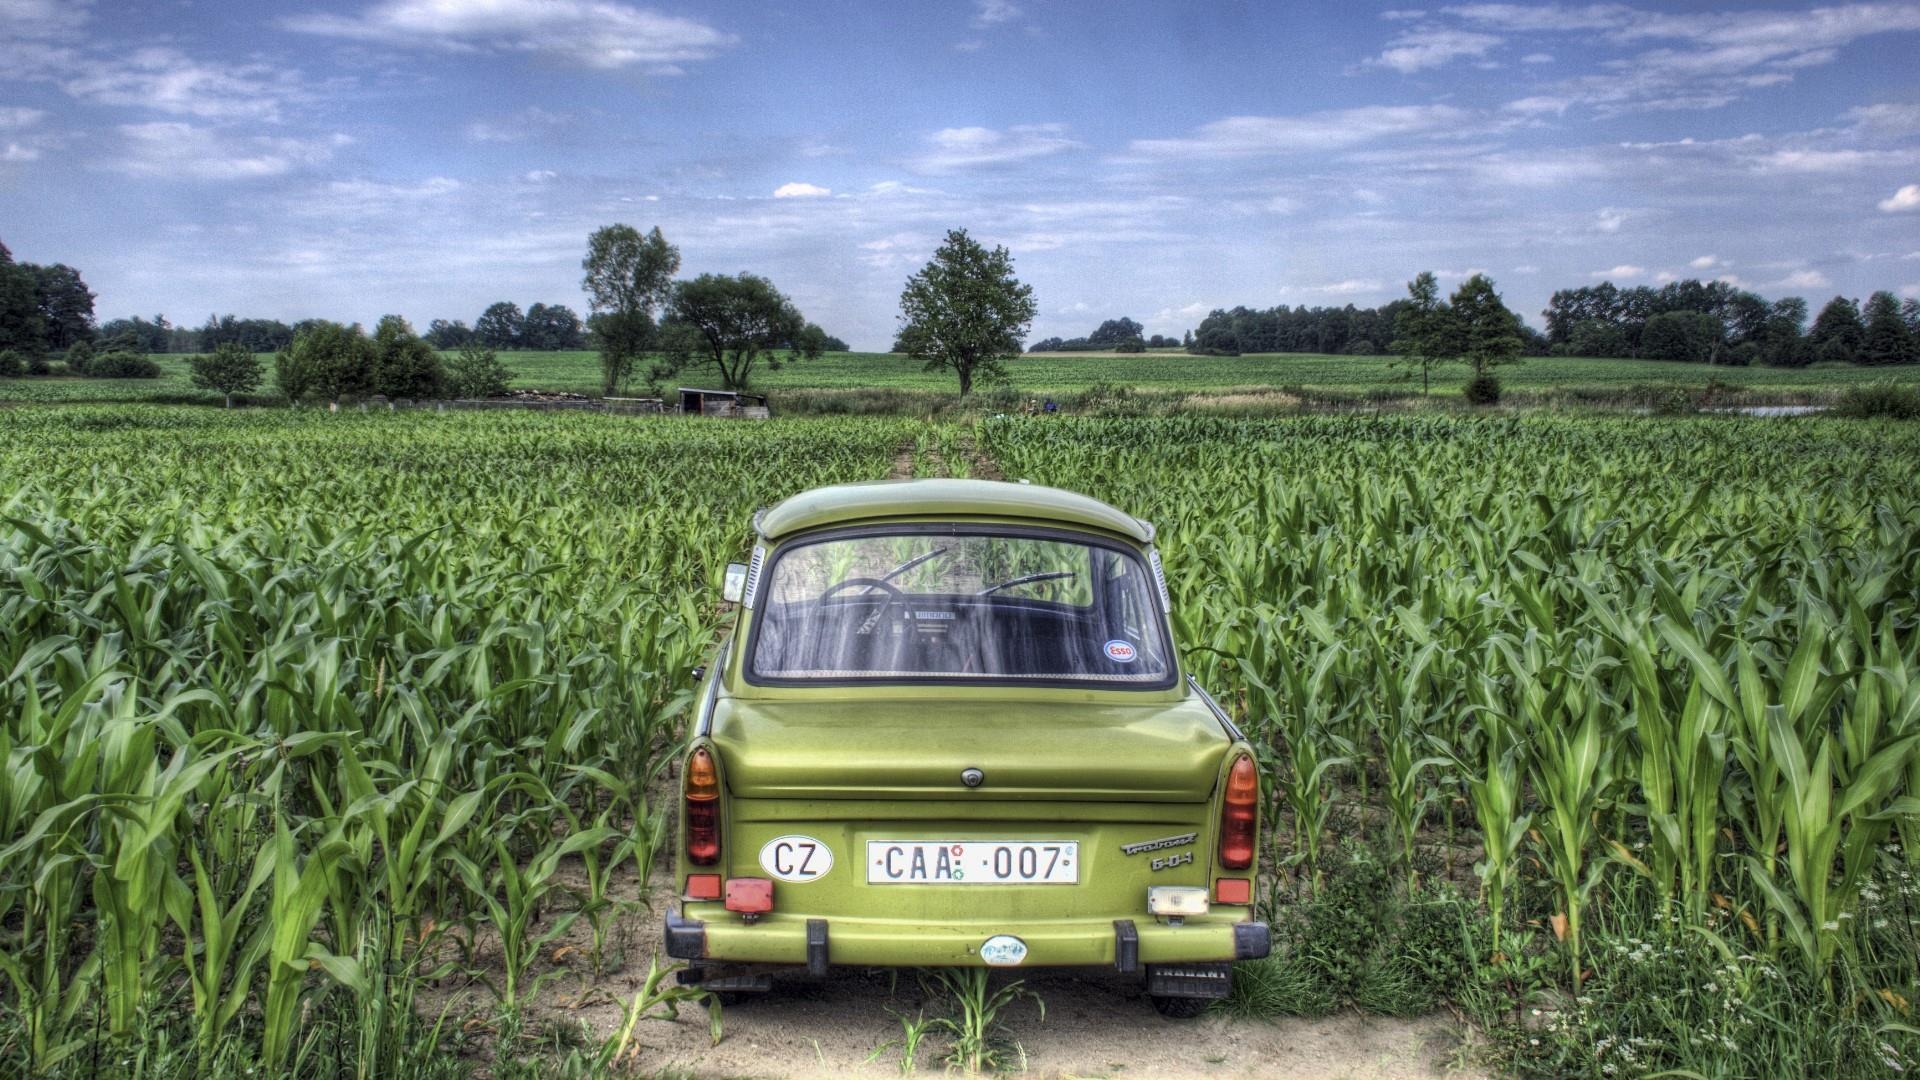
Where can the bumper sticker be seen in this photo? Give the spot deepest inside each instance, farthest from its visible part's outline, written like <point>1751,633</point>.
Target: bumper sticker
<point>1003,950</point>
<point>1121,652</point>
<point>796,858</point>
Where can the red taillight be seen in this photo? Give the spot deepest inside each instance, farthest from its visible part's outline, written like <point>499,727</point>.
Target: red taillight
<point>703,886</point>
<point>1232,890</point>
<point>703,809</point>
<point>1239,815</point>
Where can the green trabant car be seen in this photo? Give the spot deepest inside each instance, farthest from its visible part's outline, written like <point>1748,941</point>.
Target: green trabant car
<point>948,729</point>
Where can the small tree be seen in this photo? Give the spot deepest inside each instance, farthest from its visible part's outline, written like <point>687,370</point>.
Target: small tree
<point>1887,339</point>
<point>627,277</point>
<point>1425,333</point>
<point>79,355</point>
<point>229,369</point>
<point>11,366</point>
<point>1489,335</point>
<point>965,311</point>
<point>731,324</point>
<point>326,361</point>
<point>404,366</point>
<point>475,372</point>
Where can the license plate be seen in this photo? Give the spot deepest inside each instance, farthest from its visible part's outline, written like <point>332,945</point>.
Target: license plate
<point>973,862</point>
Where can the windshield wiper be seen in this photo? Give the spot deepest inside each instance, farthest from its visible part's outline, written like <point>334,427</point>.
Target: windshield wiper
<point>1050,575</point>
<point>906,566</point>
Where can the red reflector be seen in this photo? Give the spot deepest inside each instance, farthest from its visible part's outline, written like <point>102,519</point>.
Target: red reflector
<point>703,886</point>
<point>750,895</point>
<point>1227,890</point>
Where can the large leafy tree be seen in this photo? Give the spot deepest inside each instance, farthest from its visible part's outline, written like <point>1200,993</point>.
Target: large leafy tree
<point>326,362</point>
<point>1120,335</point>
<point>1489,333</point>
<point>551,327</point>
<point>732,324</point>
<point>628,277</point>
<point>22,328</point>
<point>404,366</point>
<point>965,312</point>
<point>500,325</point>
<point>229,369</point>
<point>1838,331</point>
<point>66,306</point>
<point>1887,339</point>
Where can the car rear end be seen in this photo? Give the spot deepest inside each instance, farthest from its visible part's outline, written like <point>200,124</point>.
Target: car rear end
<point>991,762</point>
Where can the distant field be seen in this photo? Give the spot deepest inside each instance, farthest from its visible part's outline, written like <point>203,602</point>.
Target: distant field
<point>1060,373</point>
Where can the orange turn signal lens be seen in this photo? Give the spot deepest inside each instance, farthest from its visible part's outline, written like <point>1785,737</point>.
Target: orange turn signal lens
<point>1232,890</point>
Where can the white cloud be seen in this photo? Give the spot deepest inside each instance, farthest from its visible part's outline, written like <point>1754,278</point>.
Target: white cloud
<point>539,176</point>
<point>970,147</point>
<point>1538,105</point>
<point>1417,50</point>
<point>1349,287</point>
<point>1706,262</point>
<point>1624,270</point>
<point>530,122</point>
<point>1886,119</point>
<point>1910,291</point>
<point>175,151</point>
<point>1537,58</point>
<point>16,153</point>
<point>799,190</point>
<point>1608,219</point>
<point>170,81</point>
<point>1702,60</point>
<point>370,190</point>
<point>602,34</point>
<point>20,118</point>
<point>993,13</point>
<point>1907,198</point>
<point>1825,161</point>
<point>1244,136</point>
<point>1803,279</point>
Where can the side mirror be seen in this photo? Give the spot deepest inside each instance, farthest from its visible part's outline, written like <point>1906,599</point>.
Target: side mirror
<point>735,588</point>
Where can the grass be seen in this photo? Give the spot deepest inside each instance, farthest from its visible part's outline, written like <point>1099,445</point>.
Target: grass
<point>1055,374</point>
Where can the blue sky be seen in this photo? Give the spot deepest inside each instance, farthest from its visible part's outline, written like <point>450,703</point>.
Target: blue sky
<point>1153,160</point>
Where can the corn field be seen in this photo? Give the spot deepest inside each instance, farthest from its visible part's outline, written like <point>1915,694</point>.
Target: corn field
<point>1687,654</point>
<point>304,713</point>
<point>301,711</point>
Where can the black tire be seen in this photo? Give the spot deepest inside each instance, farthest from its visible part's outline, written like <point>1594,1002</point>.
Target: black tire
<point>1179,1008</point>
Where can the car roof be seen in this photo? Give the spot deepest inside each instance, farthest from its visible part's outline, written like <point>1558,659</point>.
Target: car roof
<point>878,500</point>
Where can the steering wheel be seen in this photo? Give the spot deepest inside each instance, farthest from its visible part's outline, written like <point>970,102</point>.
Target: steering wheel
<point>869,582</point>
<point>873,620</point>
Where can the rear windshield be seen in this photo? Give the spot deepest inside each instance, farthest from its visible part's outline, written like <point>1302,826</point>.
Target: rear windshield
<point>960,606</point>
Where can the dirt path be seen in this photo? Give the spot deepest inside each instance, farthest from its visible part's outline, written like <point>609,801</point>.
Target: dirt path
<point>903,461</point>
<point>1095,1024</point>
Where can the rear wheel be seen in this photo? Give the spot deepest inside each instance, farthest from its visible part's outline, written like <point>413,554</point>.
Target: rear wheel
<point>1179,1008</point>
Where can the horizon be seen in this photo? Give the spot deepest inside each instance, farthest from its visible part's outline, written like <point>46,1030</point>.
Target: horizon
<point>349,160</point>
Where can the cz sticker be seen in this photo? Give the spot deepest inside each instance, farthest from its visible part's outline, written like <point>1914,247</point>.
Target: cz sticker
<point>1121,652</point>
<point>1003,950</point>
<point>796,858</point>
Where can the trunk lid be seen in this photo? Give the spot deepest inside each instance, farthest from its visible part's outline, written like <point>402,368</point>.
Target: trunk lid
<point>916,750</point>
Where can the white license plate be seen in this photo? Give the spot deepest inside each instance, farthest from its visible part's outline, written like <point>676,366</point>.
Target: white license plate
<point>973,862</point>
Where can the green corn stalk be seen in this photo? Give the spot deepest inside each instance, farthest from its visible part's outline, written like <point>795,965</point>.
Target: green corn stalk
<point>1571,773</point>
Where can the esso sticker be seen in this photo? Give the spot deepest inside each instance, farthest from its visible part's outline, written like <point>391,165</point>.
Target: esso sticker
<point>1121,652</point>
<point>796,858</point>
<point>1003,950</point>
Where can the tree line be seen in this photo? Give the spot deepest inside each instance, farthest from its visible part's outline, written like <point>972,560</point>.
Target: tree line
<point>1121,335</point>
<point>1720,323</point>
<point>1694,321</point>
